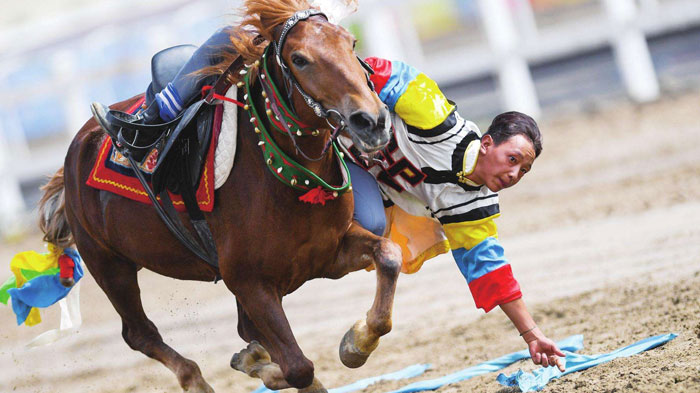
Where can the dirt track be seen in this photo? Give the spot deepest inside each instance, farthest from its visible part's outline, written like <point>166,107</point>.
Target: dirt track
<point>603,236</point>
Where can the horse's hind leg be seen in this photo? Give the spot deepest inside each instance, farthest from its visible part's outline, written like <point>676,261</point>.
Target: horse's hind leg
<point>361,248</point>
<point>118,280</point>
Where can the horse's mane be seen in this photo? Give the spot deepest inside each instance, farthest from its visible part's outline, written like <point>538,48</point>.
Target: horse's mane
<point>250,37</point>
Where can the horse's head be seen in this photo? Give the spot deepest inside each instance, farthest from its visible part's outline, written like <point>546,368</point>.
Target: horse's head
<point>332,82</point>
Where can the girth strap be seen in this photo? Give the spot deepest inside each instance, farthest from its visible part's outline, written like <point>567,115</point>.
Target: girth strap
<point>171,218</point>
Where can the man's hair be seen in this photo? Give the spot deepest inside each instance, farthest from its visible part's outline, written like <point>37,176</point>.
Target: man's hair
<point>509,124</point>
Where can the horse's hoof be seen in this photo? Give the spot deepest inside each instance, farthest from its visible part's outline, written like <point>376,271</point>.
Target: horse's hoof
<point>357,344</point>
<point>67,281</point>
<point>350,355</point>
<point>253,354</point>
<point>236,361</point>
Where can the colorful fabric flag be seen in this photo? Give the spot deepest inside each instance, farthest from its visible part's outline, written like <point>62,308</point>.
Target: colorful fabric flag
<point>35,282</point>
<point>573,343</point>
<point>529,382</point>
<point>408,372</point>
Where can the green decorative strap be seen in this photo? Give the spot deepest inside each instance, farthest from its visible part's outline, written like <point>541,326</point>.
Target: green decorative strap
<point>288,116</point>
<point>286,169</point>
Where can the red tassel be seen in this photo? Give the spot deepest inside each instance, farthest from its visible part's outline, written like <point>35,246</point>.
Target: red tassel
<point>316,196</point>
<point>66,265</point>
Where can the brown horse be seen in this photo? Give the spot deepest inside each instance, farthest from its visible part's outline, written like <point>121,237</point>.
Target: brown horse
<point>269,243</point>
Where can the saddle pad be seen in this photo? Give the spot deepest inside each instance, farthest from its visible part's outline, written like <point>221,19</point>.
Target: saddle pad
<point>226,148</point>
<point>112,172</point>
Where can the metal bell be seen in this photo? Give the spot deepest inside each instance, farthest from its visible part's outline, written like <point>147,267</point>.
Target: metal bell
<point>246,107</point>
<point>269,112</point>
<point>261,143</point>
<point>239,84</point>
<point>257,130</point>
<point>299,133</point>
<point>279,170</point>
<point>269,161</point>
<point>335,194</point>
<point>293,182</point>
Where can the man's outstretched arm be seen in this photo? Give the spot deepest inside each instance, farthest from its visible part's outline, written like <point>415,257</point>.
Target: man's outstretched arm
<point>542,350</point>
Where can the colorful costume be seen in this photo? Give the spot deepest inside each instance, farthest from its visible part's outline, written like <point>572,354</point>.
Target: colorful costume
<point>432,207</point>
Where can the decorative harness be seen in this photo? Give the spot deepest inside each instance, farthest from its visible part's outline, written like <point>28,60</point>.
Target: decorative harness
<point>283,119</point>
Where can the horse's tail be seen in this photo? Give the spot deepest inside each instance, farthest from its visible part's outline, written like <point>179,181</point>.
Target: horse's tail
<point>52,213</point>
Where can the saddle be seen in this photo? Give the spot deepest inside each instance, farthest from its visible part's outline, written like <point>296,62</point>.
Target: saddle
<point>180,147</point>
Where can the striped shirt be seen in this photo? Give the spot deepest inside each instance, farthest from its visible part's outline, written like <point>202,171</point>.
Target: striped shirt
<point>423,171</point>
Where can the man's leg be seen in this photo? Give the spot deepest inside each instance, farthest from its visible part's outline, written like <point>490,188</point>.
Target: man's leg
<point>186,87</point>
<point>369,209</point>
<point>181,91</point>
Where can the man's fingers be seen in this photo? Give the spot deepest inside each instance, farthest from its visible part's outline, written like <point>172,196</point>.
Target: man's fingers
<point>558,352</point>
<point>554,361</point>
<point>559,364</point>
<point>545,361</point>
<point>537,358</point>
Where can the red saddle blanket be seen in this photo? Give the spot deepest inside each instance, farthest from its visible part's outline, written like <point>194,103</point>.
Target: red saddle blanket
<point>112,171</point>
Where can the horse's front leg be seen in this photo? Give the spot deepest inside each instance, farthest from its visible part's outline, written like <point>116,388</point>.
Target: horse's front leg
<point>261,318</point>
<point>360,249</point>
<point>255,361</point>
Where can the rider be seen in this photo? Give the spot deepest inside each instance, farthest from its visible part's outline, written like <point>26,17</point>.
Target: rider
<point>438,179</point>
<point>438,174</point>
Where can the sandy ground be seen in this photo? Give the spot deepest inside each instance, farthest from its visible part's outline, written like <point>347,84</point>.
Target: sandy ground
<point>603,236</point>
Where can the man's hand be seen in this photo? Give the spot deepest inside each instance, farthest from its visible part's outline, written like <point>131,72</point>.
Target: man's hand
<point>544,351</point>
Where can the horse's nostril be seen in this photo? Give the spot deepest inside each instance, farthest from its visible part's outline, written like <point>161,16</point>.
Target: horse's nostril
<point>362,121</point>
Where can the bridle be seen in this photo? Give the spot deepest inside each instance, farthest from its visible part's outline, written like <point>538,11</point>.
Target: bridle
<point>281,116</point>
<point>291,84</point>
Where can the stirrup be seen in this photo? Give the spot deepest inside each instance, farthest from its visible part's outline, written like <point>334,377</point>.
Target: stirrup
<point>127,131</point>
<point>120,119</point>
<point>112,121</point>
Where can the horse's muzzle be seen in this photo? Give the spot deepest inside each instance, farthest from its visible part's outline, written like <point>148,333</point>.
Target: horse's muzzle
<point>368,133</point>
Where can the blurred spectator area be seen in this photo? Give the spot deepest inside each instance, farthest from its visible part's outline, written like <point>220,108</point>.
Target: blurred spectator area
<point>59,57</point>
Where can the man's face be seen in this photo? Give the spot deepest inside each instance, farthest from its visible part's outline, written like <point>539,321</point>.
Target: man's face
<point>504,165</point>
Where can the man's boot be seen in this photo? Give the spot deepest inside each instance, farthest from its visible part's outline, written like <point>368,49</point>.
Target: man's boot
<point>112,120</point>
<point>133,133</point>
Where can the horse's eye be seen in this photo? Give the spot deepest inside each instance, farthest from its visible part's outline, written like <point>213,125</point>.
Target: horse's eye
<point>299,61</point>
